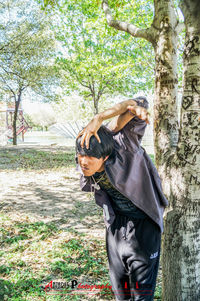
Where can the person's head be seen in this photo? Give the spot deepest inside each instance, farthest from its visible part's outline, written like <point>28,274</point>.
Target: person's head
<point>92,160</point>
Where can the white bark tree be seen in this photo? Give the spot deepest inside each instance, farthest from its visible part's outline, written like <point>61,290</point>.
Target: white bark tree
<point>176,146</point>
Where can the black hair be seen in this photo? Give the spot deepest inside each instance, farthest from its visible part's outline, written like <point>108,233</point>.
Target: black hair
<point>142,101</point>
<point>97,149</point>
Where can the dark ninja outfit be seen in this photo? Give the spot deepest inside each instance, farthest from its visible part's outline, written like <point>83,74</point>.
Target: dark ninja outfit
<point>133,204</point>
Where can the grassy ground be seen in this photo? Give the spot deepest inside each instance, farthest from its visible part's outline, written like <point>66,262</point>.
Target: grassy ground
<point>47,232</point>
<point>37,158</point>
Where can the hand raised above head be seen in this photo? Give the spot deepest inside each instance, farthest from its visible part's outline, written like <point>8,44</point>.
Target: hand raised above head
<point>90,130</point>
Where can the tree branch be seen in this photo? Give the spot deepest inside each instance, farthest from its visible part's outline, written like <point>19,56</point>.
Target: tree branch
<point>93,87</point>
<point>102,89</point>
<point>11,72</point>
<point>124,26</point>
<point>81,82</point>
<point>88,95</point>
<point>6,84</point>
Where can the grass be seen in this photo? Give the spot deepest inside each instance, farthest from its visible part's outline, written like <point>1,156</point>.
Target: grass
<point>34,253</point>
<point>34,159</point>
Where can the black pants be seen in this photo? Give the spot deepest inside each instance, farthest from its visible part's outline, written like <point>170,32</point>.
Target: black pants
<point>133,249</point>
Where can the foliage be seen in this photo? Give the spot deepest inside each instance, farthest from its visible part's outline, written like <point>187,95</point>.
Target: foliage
<point>75,108</point>
<point>97,60</point>
<point>28,47</point>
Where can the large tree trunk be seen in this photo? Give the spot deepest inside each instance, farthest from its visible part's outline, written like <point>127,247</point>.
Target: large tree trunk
<point>165,95</point>
<point>181,247</point>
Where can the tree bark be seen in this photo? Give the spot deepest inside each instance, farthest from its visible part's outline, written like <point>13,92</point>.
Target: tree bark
<point>166,87</point>
<point>96,110</point>
<point>181,244</point>
<point>17,103</point>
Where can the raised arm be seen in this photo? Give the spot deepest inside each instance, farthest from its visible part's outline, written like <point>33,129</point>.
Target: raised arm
<point>120,121</point>
<point>123,111</point>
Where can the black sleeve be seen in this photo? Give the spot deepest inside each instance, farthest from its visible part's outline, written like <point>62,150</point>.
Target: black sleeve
<point>135,128</point>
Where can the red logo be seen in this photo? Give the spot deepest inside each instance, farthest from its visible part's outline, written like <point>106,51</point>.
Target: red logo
<point>49,285</point>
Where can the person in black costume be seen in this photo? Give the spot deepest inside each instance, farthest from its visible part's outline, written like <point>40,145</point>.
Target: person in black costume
<point>127,186</point>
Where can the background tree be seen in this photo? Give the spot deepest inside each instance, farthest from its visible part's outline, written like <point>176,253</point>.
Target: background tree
<point>97,61</point>
<point>176,145</point>
<point>28,47</point>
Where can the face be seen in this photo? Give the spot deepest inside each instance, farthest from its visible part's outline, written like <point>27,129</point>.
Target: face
<point>90,165</point>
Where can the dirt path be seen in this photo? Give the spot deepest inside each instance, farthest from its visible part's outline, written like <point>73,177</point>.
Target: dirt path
<point>49,196</point>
